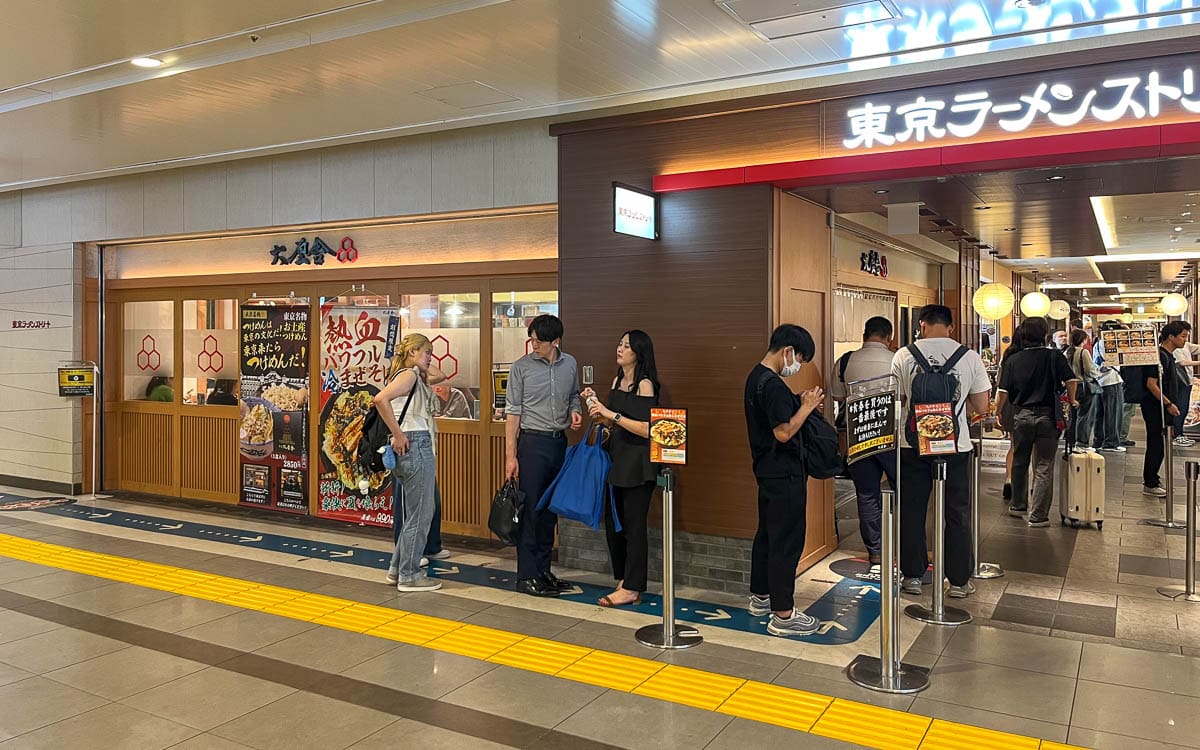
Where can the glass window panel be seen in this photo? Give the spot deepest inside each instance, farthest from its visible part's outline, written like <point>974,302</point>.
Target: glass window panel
<point>511,314</point>
<point>210,352</point>
<point>451,321</point>
<point>149,351</point>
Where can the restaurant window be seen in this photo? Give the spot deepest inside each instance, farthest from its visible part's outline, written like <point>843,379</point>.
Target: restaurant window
<point>149,351</point>
<point>210,352</point>
<point>512,312</point>
<point>451,322</point>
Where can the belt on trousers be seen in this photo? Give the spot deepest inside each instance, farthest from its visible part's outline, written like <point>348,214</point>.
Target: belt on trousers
<point>544,433</point>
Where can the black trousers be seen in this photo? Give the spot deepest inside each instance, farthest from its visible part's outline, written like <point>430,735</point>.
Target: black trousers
<point>628,548</point>
<point>540,458</point>
<point>779,542</point>
<point>916,485</point>
<point>1153,414</point>
<point>867,475</point>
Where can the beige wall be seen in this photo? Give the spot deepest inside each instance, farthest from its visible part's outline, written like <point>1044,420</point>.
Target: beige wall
<point>41,279</point>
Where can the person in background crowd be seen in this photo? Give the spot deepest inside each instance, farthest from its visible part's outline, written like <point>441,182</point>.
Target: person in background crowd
<point>986,353</point>
<point>159,389</point>
<point>1032,380</point>
<point>1157,401</point>
<point>873,360</point>
<point>1187,357</point>
<point>415,476</point>
<point>451,402</point>
<point>1012,349</point>
<point>633,477</point>
<point>774,417</point>
<point>223,393</point>
<point>1061,340</point>
<point>541,405</point>
<point>916,473</point>
<point>1109,408</point>
<point>1088,390</point>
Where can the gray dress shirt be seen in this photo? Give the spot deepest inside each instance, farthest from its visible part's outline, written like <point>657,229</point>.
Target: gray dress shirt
<point>542,394</point>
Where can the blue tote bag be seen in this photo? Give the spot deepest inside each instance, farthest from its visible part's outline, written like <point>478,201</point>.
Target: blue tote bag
<point>581,487</point>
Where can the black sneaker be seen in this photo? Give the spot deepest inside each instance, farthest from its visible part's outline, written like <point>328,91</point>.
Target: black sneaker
<point>1128,443</point>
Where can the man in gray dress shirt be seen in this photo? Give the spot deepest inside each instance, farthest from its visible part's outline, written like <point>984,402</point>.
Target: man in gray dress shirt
<point>542,403</point>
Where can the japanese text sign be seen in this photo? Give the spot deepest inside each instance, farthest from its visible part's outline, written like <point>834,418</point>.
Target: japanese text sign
<point>870,425</point>
<point>935,425</point>
<point>76,382</point>
<point>668,436</point>
<point>1131,348</point>
<point>304,253</point>
<point>1100,97</point>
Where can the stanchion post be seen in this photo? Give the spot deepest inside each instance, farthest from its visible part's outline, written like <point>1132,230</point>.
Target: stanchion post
<point>939,613</point>
<point>95,430</point>
<point>1168,520</point>
<point>1187,592</point>
<point>982,569</point>
<point>887,674</point>
<point>668,635</point>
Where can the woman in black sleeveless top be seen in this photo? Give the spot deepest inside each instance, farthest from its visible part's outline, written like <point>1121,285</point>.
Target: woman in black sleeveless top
<point>634,392</point>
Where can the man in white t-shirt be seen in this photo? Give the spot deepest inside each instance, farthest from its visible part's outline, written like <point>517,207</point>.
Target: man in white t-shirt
<point>1187,357</point>
<point>916,473</point>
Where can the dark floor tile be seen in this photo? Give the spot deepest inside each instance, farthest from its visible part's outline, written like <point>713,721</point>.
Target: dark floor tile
<point>1103,626</point>
<point>1035,603</point>
<point>1071,609</point>
<point>1044,554</point>
<point>1141,565</point>
<point>1040,619</point>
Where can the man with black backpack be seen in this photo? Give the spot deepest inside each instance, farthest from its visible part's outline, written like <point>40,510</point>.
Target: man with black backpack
<point>937,371</point>
<point>774,419</point>
<point>873,360</point>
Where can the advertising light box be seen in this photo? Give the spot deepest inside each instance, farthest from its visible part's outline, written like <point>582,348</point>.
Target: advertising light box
<point>635,212</point>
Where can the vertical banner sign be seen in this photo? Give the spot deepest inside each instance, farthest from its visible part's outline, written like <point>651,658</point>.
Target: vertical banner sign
<point>870,425</point>
<point>668,436</point>
<point>356,346</point>
<point>273,439</point>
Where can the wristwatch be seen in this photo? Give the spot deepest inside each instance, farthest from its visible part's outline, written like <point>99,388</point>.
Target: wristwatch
<point>616,419</point>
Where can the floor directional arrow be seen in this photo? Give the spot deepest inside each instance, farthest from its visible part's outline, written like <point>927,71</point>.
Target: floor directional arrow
<point>252,538</point>
<point>347,553</point>
<point>720,614</point>
<point>832,624</point>
<point>176,527</point>
<point>100,515</point>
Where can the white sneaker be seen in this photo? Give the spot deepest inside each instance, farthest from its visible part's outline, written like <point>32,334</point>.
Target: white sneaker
<point>1154,491</point>
<point>420,583</point>
<point>1183,442</point>
<point>424,562</point>
<point>442,554</point>
<point>961,592</point>
<point>911,586</point>
<point>759,605</point>
<point>799,623</point>
<point>392,579</point>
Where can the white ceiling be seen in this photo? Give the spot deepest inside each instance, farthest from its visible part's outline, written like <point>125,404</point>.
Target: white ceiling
<point>323,71</point>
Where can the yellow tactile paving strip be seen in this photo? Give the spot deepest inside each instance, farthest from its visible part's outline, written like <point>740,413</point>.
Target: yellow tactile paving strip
<point>860,723</point>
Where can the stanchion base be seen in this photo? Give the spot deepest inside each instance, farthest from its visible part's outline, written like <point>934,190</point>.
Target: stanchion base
<point>949,616</point>
<point>1163,524</point>
<point>867,671</point>
<point>655,636</point>
<point>1178,593</point>
<point>988,570</point>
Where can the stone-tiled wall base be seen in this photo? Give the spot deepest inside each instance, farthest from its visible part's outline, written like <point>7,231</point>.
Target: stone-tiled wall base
<point>714,563</point>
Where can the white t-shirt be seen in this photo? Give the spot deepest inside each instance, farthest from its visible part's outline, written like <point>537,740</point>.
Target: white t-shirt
<point>972,378</point>
<point>873,360</point>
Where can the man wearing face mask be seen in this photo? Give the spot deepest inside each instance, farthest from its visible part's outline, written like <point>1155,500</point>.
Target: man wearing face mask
<point>774,416</point>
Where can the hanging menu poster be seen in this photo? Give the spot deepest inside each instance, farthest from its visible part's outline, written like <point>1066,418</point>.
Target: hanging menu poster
<point>1136,347</point>
<point>273,439</point>
<point>870,425</point>
<point>356,346</point>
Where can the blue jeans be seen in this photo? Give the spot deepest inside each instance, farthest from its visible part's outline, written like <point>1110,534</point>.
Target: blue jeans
<point>1110,410</point>
<point>433,544</point>
<point>414,481</point>
<point>867,475</point>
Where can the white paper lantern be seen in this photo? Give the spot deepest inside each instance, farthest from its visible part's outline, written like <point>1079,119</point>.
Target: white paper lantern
<point>1174,304</point>
<point>1127,318</point>
<point>993,301</point>
<point>1035,305</point>
<point>1060,309</point>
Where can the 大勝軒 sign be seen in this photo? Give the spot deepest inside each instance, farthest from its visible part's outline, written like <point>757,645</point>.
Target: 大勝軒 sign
<point>874,263</point>
<point>668,436</point>
<point>76,382</point>
<point>870,425</point>
<point>1135,92</point>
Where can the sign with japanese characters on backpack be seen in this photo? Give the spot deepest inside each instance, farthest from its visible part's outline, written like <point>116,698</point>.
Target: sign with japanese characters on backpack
<point>936,429</point>
<point>668,436</point>
<point>356,347</point>
<point>870,425</point>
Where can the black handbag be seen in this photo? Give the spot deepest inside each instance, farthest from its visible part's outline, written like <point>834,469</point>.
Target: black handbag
<point>504,520</point>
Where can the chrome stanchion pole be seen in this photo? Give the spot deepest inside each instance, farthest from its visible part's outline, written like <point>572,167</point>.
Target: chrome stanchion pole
<point>982,569</point>
<point>887,674</point>
<point>668,635</point>
<point>1187,592</point>
<point>1168,520</point>
<point>939,613</point>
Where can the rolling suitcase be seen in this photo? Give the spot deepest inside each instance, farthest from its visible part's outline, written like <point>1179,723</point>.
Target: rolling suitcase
<point>1081,488</point>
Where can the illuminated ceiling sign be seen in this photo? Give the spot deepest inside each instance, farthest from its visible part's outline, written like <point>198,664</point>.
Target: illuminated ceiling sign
<point>1074,100</point>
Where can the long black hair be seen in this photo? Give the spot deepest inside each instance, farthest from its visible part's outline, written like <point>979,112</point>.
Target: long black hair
<point>645,369</point>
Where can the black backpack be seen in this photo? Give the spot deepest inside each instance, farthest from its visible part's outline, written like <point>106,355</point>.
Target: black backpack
<point>933,384</point>
<point>839,419</point>
<point>368,455</point>
<point>818,439</point>
<point>1134,379</point>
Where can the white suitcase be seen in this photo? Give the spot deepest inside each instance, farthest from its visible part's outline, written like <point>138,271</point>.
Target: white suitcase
<point>1081,488</point>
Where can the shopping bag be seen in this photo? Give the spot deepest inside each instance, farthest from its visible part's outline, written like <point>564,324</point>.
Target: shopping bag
<point>581,487</point>
<point>504,519</point>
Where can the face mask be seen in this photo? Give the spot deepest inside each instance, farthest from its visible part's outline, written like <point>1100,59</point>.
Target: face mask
<point>792,369</point>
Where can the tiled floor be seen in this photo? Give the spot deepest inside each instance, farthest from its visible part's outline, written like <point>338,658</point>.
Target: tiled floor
<point>1073,645</point>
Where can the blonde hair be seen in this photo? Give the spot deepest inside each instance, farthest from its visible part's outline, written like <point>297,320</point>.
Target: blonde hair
<point>413,342</point>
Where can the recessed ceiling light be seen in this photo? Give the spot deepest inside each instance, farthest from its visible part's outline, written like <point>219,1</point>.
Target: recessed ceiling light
<point>146,62</point>
<point>1026,244</point>
<point>983,208</point>
<point>1010,229</point>
<point>1186,213</point>
<point>881,191</point>
<point>1178,229</point>
<point>1056,178</point>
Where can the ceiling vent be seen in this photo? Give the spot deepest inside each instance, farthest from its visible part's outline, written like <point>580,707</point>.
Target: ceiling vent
<point>468,95</point>
<point>927,212</point>
<point>942,223</point>
<point>780,19</point>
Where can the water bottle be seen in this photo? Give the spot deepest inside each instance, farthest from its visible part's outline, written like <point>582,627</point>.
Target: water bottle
<point>389,457</point>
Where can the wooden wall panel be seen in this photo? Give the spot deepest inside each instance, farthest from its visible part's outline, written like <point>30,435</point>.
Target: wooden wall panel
<point>702,292</point>
<point>209,457</point>
<point>147,453</point>
<point>458,477</point>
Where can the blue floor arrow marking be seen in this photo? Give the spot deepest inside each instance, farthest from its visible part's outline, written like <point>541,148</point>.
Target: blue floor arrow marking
<point>845,611</point>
